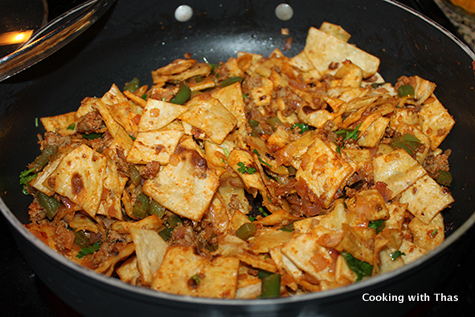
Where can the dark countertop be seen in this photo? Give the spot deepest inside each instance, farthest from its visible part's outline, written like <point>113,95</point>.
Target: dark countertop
<point>23,294</point>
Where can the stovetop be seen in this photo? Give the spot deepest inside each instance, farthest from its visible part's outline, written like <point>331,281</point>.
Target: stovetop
<point>23,294</point>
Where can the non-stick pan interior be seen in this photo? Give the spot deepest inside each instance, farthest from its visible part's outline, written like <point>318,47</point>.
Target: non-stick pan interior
<point>136,37</point>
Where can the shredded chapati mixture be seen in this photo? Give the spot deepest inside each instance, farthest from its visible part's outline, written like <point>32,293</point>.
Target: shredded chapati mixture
<point>258,177</point>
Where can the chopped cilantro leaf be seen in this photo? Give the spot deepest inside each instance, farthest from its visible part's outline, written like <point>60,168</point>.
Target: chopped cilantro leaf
<point>261,160</point>
<point>213,66</point>
<point>360,268</point>
<point>243,169</point>
<point>396,254</point>
<point>93,136</point>
<point>302,126</point>
<point>26,177</point>
<point>88,250</point>
<point>377,225</point>
<point>253,123</point>
<point>348,133</point>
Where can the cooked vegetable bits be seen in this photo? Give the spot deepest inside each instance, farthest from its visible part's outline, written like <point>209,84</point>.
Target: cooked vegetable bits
<point>259,177</point>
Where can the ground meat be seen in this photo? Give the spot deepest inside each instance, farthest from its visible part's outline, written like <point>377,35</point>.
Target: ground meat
<point>91,122</point>
<point>222,72</point>
<point>64,238</point>
<point>291,99</point>
<point>111,246</point>
<point>351,144</point>
<point>183,236</point>
<point>434,163</point>
<point>251,82</point>
<point>55,139</point>
<point>303,202</point>
<point>36,212</point>
<point>389,135</point>
<point>234,203</point>
<point>161,94</point>
<point>100,144</point>
<point>150,170</point>
<point>118,157</point>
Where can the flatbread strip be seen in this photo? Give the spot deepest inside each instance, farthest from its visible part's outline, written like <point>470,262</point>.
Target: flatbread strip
<point>185,186</point>
<point>80,177</point>
<point>323,49</point>
<point>185,273</point>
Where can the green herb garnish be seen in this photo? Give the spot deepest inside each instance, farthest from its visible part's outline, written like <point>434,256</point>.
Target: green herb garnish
<point>396,254</point>
<point>261,160</point>
<point>302,126</point>
<point>93,136</point>
<point>360,268</point>
<point>253,123</point>
<point>26,177</point>
<point>88,250</point>
<point>377,225</point>
<point>243,169</point>
<point>348,133</point>
<point>213,66</point>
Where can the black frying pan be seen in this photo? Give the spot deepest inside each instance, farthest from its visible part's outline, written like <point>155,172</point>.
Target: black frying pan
<point>138,36</point>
